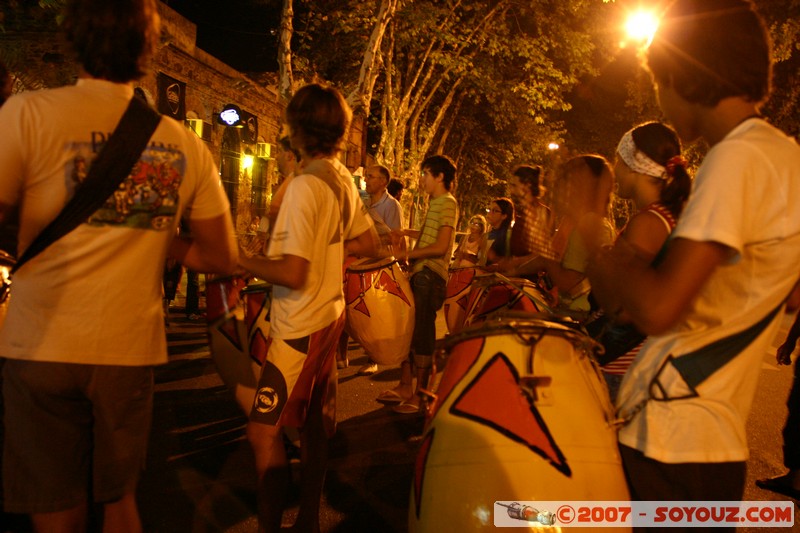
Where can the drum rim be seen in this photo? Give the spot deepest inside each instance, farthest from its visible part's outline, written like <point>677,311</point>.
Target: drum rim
<point>378,263</point>
<point>517,322</point>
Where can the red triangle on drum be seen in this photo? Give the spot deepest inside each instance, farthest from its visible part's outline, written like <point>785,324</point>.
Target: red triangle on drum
<point>230,331</point>
<point>388,284</point>
<point>362,306</point>
<point>463,301</point>
<point>494,399</point>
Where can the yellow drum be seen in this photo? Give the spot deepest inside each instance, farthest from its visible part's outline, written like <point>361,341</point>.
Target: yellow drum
<point>380,309</point>
<point>459,284</point>
<point>521,413</point>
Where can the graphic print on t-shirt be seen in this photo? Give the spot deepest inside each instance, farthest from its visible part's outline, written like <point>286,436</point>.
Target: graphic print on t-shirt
<point>145,199</point>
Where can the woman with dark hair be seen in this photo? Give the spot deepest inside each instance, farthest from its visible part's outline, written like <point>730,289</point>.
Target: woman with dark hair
<point>500,216</point>
<point>650,172</point>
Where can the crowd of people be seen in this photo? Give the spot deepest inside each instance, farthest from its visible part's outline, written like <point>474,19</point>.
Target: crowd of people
<point>702,263</point>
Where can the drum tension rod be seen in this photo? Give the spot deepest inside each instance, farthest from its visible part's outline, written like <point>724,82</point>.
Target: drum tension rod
<point>529,384</point>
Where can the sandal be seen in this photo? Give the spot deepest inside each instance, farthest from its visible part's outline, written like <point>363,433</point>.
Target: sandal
<point>389,396</point>
<point>407,408</point>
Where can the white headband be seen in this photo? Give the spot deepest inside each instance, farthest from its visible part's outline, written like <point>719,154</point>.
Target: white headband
<point>637,160</point>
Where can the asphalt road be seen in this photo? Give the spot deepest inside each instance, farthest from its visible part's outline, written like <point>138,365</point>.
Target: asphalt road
<point>200,478</point>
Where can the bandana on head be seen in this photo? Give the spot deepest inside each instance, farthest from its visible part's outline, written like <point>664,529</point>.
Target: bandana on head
<point>638,161</point>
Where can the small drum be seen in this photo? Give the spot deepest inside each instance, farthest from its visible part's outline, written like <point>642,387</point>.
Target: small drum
<point>380,309</point>
<point>521,413</point>
<point>495,293</point>
<point>457,296</point>
<point>237,334</point>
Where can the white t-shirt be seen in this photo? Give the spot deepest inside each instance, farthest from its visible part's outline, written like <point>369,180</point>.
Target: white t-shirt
<point>308,226</point>
<point>745,196</point>
<point>94,296</point>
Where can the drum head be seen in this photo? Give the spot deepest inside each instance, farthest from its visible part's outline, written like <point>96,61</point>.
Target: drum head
<point>370,263</point>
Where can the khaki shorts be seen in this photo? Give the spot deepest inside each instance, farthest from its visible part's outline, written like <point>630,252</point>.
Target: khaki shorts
<point>69,427</point>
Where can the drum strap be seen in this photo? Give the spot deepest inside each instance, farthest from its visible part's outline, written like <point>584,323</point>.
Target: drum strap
<point>326,172</point>
<point>697,366</point>
<point>112,165</point>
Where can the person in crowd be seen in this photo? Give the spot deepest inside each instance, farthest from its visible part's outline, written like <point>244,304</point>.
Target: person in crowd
<point>470,251</point>
<point>80,339</point>
<point>395,189</point>
<point>321,218</point>
<point>500,216</point>
<point>430,258</point>
<point>712,306</point>
<point>534,226</point>
<point>650,172</point>
<point>788,484</point>
<point>387,214</point>
<point>587,184</point>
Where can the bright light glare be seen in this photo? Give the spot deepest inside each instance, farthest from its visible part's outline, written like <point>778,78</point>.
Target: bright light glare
<point>247,162</point>
<point>552,146</point>
<point>641,26</point>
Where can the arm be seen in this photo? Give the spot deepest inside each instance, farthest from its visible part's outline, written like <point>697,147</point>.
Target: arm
<point>290,271</point>
<point>367,244</point>
<point>654,298</point>
<point>212,248</point>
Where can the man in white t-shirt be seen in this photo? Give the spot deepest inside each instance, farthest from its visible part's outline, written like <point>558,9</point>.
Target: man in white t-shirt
<point>729,266</point>
<point>85,325</point>
<point>321,218</point>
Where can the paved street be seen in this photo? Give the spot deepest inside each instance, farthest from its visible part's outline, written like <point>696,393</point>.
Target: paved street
<point>200,477</point>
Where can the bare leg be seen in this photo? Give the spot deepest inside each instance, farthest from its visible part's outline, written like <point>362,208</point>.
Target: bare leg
<point>406,386</point>
<point>70,521</point>
<point>314,458</point>
<point>273,474</point>
<point>122,516</point>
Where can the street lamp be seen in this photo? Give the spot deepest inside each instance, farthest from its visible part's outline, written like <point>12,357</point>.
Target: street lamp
<point>641,26</point>
<point>553,146</point>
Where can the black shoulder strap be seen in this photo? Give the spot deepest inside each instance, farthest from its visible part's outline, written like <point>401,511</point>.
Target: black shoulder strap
<point>112,165</point>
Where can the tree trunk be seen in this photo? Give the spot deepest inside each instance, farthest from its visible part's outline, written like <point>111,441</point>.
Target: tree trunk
<point>285,82</point>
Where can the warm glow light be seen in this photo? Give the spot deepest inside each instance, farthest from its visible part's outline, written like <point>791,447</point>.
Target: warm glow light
<point>641,26</point>
<point>247,162</point>
<point>553,146</point>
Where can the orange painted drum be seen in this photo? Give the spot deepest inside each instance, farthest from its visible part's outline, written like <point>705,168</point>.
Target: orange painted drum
<point>494,293</point>
<point>459,284</point>
<point>238,328</point>
<point>380,309</point>
<point>521,413</point>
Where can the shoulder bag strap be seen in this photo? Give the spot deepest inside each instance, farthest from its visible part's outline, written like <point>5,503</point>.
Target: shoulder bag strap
<point>112,165</point>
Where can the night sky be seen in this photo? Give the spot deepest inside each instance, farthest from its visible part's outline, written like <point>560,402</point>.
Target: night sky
<point>241,33</point>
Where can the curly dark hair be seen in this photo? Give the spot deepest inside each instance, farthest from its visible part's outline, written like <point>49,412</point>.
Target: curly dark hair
<point>113,40</point>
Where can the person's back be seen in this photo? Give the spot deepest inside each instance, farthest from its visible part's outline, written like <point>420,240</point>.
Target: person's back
<point>84,327</point>
<point>101,281</point>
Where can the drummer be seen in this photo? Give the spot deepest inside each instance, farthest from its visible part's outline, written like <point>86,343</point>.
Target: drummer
<point>387,214</point>
<point>588,182</point>
<point>430,258</point>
